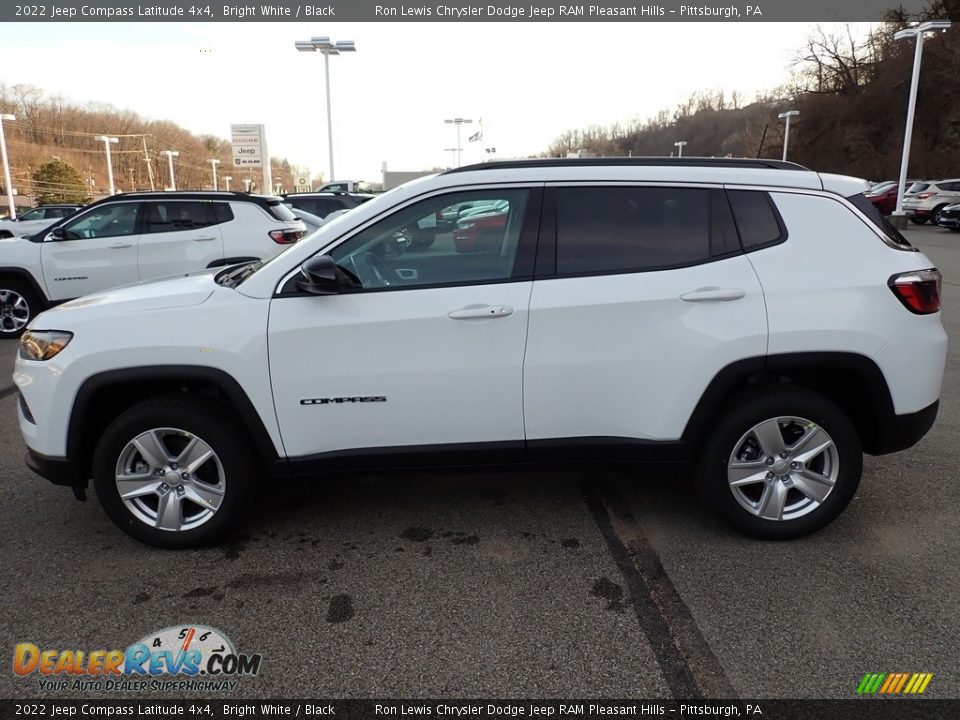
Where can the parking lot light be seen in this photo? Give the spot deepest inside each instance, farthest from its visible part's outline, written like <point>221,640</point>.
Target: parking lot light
<point>786,131</point>
<point>171,154</point>
<point>917,32</point>
<point>326,46</point>
<point>6,167</point>
<point>227,179</point>
<point>458,122</point>
<point>679,144</point>
<point>107,141</point>
<point>213,164</point>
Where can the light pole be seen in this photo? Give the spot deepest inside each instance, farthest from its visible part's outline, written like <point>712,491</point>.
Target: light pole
<point>327,47</point>
<point>227,179</point>
<point>918,33</point>
<point>6,167</point>
<point>786,132</point>
<point>107,142</point>
<point>213,164</point>
<point>453,154</point>
<point>679,144</point>
<point>458,122</point>
<point>171,154</point>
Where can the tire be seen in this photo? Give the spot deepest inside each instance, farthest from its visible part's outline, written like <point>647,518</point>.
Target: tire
<point>935,215</point>
<point>226,479</point>
<point>917,221</point>
<point>19,304</point>
<point>736,436</point>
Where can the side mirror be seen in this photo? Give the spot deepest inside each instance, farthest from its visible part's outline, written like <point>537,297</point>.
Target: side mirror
<point>319,276</point>
<point>57,234</point>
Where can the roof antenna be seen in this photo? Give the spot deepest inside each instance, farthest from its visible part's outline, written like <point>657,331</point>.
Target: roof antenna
<point>762,138</point>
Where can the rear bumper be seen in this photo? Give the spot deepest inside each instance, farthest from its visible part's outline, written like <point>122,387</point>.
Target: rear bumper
<point>903,431</point>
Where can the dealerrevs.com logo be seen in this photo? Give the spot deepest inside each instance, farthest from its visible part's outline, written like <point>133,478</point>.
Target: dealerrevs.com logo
<point>181,658</point>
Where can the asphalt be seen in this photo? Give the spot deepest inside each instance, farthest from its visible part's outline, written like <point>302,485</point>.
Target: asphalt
<point>535,584</point>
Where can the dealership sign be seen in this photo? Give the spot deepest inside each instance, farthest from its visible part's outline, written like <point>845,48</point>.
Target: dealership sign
<point>249,145</point>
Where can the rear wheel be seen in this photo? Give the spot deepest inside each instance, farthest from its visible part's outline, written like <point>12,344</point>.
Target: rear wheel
<point>917,220</point>
<point>783,463</point>
<point>936,214</point>
<point>174,472</point>
<point>19,304</point>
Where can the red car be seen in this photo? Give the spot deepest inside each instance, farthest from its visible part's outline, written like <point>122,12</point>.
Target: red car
<point>884,196</point>
<point>480,233</point>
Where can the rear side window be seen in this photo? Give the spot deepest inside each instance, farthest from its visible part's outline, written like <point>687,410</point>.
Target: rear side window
<point>757,219</point>
<point>222,213</point>
<point>861,203</point>
<point>632,229</point>
<point>175,216</point>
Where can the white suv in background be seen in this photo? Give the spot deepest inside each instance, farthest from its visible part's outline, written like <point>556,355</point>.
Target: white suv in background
<point>133,237</point>
<point>753,319</point>
<point>927,198</point>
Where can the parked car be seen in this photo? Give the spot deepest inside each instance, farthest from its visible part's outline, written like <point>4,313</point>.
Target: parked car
<point>884,195</point>
<point>925,203</point>
<point>949,218</point>
<point>322,204</point>
<point>661,309</point>
<point>137,236</point>
<point>482,232</point>
<point>36,219</point>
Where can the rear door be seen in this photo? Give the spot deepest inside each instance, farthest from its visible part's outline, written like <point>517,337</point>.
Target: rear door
<point>180,236</point>
<point>98,251</point>
<point>644,296</point>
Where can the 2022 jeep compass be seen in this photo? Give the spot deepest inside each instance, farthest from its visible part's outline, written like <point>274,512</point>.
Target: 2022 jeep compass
<point>751,317</point>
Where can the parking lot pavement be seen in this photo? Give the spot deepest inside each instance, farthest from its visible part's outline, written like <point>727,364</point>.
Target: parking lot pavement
<point>538,584</point>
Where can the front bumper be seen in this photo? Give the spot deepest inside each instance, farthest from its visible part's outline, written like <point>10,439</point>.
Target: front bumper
<point>59,471</point>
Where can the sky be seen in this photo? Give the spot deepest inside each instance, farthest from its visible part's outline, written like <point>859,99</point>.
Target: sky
<point>526,82</point>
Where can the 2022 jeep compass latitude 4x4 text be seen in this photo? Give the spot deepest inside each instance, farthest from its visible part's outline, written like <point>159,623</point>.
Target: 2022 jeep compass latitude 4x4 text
<point>752,318</point>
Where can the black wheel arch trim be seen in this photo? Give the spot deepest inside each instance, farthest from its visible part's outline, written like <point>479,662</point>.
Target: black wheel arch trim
<point>26,276</point>
<point>888,427</point>
<point>220,379</point>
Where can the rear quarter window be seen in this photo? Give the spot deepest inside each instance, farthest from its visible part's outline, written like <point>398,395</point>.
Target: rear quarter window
<point>280,211</point>
<point>757,219</point>
<point>861,203</point>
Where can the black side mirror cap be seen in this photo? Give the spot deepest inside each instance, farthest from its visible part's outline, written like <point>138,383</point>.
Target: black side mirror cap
<point>319,276</point>
<point>57,233</point>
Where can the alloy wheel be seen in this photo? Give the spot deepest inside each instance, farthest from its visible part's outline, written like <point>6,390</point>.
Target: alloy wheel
<point>14,311</point>
<point>170,479</point>
<point>783,468</point>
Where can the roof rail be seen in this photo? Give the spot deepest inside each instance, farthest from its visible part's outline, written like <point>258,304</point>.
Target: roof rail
<point>632,161</point>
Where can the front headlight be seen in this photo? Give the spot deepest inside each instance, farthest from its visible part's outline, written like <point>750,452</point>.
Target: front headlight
<point>43,344</point>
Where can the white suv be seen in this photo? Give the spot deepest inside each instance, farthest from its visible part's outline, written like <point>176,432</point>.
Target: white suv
<point>752,318</point>
<point>137,236</point>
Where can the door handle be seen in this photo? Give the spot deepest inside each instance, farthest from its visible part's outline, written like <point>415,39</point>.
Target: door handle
<point>713,294</point>
<point>120,246</point>
<point>203,239</point>
<point>480,311</point>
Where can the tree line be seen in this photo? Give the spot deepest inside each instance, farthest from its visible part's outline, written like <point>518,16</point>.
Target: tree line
<point>852,95</point>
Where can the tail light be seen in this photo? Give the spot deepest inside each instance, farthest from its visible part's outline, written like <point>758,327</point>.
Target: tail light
<point>286,237</point>
<point>919,291</point>
<point>924,195</point>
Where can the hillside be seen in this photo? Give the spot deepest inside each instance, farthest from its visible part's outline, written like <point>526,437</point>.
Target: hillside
<point>47,127</point>
<point>852,97</point>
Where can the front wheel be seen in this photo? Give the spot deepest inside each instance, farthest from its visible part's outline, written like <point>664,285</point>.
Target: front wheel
<point>19,304</point>
<point>174,472</point>
<point>917,220</point>
<point>783,463</point>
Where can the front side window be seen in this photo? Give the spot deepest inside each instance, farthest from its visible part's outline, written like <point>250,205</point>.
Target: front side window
<point>411,249</point>
<point>104,221</point>
<point>632,229</point>
<point>35,214</point>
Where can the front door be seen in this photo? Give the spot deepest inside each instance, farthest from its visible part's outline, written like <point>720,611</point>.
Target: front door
<point>98,251</point>
<point>423,348</point>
